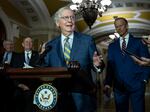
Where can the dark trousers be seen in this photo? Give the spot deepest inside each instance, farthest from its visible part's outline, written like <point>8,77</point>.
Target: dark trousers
<point>64,103</point>
<point>23,101</point>
<point>6,95</point>
<point>136,98</point>
<point>84,102</point>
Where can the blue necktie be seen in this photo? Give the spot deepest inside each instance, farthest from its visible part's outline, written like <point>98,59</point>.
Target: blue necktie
<point>5,58</point>
<point>67,50</point>
<point>27,58</point>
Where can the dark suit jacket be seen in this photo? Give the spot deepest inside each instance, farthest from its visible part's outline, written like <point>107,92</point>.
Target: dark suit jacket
<point>8,86</point>
<point>14,59</point>
<point>31,83</point>
<point>33,61</point>
<point>122,70</point>
<point>82,51</point>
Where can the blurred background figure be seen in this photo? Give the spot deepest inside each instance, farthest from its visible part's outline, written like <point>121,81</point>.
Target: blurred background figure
<point>27,59</point>
<point>29,56</point>
<point>7,84</point>
<point>9,56</point>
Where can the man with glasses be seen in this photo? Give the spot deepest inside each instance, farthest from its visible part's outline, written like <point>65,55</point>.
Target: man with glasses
<point>74,46</point>
<point>9,54</point>
<point>28,58</point>
<point>7,84</point>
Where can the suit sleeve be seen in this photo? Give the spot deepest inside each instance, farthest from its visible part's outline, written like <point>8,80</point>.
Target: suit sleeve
<point>144,53</point>
<point>92,49</point>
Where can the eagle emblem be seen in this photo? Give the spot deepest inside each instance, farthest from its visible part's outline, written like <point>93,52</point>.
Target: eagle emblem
<point>45,97</point>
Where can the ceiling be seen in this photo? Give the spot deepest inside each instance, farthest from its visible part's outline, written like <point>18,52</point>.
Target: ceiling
<point>37,15</point>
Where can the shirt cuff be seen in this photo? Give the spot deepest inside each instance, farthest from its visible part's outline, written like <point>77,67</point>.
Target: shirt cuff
<point>145,81</point>
<point>98,69</point>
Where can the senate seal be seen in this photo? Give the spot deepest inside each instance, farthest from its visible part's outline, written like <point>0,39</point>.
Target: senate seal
<point>45,97</point>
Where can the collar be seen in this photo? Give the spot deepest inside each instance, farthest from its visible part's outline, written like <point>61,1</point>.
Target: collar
<point>126,37</point>
<point>29,52</point>
<point>70,36</point>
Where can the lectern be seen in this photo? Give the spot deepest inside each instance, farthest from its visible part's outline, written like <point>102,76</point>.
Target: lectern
<point>49,72</point>
<point>46,95</point>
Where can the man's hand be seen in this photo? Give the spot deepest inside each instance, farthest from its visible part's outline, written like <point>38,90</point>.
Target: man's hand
<point>146,40</point>
<point>142,62</point>
<point>107,90</point>
<point>97,60</point>
<point>23,87</point>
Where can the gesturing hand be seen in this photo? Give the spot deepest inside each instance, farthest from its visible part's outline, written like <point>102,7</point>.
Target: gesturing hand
<point>97,59</point>
<point>107,90</point>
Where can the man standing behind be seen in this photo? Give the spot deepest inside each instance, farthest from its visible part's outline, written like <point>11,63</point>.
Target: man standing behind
<point>27,59</point>
<point>9,55</point>
<point>7,84</point>
<point>74,46</point>
<point>29,56</point>
<point>128,78</point>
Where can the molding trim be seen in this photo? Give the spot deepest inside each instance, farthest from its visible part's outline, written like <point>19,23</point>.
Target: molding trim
<point>7,24</point>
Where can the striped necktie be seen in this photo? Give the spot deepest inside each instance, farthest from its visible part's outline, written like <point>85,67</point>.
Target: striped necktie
<point>27,58</point>
<point>67,50</point>
<point>123,46</point>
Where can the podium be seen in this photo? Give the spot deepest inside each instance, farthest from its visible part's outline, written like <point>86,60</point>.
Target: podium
<point>52,72</point>
<point>41,73</point>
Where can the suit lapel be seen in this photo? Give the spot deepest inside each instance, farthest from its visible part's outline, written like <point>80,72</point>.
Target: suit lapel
<point>75,46</point>
<point>23,55</point>
<point>118,46</point>
<point>119,51</point>
<point>60,51</point>
<point>130,43</point>
<point>32,57</point>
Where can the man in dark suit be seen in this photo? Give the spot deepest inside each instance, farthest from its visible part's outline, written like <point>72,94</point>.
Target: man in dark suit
<point>27,59</point>
<point>128,78</point>
<point>29,56</point>
<point>9,56</point>
<point>80,48</point>
<point>7,85</point>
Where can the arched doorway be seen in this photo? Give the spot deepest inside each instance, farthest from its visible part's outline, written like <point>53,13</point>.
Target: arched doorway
<point>2,35</point>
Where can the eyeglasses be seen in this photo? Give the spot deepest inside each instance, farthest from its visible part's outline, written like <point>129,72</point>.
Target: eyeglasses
<point>67,18</point>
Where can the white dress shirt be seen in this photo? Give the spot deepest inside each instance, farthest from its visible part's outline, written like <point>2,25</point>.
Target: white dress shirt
<point>126,39</point>
<point>9,56</point>
<point>63,40</point>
